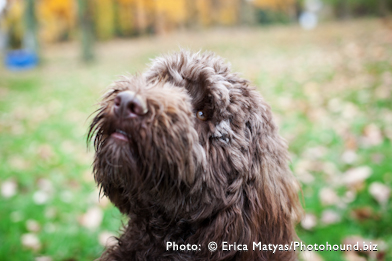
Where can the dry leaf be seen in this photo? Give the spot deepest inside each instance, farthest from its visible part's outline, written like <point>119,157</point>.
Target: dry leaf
<point>330,169</point>
<point>350,111</point>
<point>104,201</point>
<point>31,241</point>
<point>349,196</point>
<point>40,197</point>
<point>355,176</point>
<point>43,258</point>
<point>315,152</point>
<point>92,218</point>
<point>45,185</point>
<point>107,239</point>
<point>32,225</point>
<point>349,157</point>
<point>302,171</point>
<point>309,221</point>
<point>380,192</point>
<point>9,188</point>
<point>372,136</point>
<point>330,217</point>
<point>362,214</point>
<point>328,196</point>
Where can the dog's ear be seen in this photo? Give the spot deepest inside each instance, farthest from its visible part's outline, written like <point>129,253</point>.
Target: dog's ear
<point>276,186</point>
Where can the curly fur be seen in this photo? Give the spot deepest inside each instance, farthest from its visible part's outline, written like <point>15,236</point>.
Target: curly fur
<point>185,180</point>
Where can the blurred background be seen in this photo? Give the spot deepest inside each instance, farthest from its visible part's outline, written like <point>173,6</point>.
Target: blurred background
<point>324,66</point>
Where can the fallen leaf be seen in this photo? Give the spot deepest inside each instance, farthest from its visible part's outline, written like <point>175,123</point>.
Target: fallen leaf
<point>349,157</point>
<point>315,152</point>
<point>43,258</point>
<point>329,217</point>
<point>350,111</point>
<point>356,176</point>
<point>309,221</point>
<point>107,239</point>
<point>302,172</point>
<point>349,196</point>
<point>328,196</point>
<point>104,201</point>
<point>45,185</point>
<point>350,142</point>
<point>380,192</point>
<point>363,213</point>
<point>31,241</point>
<point>32,225</point>
<point>372,136</point>
<point>9,188</point>
<point>335,105</point>
<point>40,197</point>
<point>92,218</point>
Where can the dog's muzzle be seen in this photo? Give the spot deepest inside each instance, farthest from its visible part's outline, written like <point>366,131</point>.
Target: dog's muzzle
<point>128,104</point>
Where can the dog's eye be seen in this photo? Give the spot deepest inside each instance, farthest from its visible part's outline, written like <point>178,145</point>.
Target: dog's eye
<point>201,115</point>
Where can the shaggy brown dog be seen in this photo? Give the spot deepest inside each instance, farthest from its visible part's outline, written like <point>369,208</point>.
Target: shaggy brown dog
<point>190,152</point>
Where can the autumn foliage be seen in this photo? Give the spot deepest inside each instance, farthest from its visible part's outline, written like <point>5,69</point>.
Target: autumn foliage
<point>58,18</point>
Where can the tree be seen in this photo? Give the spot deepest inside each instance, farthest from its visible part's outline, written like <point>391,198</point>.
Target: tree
<point>30,39</point>
<point>86,26</point>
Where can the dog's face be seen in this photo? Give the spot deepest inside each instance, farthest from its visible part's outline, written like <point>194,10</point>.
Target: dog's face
<point>189,138</point>
<point>146,143</point>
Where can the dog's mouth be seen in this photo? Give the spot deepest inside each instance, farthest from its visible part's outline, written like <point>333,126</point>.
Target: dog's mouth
<point>121,135</point>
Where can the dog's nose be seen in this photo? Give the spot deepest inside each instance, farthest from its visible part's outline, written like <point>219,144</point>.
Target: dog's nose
<point>128,104</point>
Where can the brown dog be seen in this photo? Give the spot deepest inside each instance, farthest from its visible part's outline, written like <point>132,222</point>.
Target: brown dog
<point>190,152</point>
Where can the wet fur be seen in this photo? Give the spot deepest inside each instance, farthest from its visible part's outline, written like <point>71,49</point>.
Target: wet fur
<point>190,181</point>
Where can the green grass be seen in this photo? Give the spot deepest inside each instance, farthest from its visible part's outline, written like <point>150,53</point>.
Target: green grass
<point>326,87</point>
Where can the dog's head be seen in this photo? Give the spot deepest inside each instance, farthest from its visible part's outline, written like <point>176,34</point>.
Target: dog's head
<point>192,139</point>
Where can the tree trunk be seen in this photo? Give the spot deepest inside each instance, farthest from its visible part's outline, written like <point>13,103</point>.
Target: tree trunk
<point>30,39</point>
<point>247,14</point>
<point>86,26</point>
<point>344,9</point>
<point>192,20</point>
<point>140,17</point>
<point>383,8</point>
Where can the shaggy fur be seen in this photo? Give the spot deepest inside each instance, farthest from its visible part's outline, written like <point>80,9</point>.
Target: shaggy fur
<point>188,179</point>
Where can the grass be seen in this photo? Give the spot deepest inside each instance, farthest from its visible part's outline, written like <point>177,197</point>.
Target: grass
<point>330,90</point>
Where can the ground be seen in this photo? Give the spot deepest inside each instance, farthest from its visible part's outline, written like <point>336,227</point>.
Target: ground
<point>330,89</point>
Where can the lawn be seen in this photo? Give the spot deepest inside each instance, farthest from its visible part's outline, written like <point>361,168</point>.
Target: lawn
<point>330,90</point>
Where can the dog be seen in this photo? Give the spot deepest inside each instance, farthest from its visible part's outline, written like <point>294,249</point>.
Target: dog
<point>190,152</point>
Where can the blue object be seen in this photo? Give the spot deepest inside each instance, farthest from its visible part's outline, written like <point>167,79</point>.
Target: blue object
<point>18,60</point>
